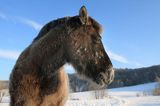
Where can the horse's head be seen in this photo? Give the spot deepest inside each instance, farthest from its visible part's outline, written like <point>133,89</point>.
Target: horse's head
<point>85,50</point>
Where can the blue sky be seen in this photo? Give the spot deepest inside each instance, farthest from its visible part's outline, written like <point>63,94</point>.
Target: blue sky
<point>131,28</point>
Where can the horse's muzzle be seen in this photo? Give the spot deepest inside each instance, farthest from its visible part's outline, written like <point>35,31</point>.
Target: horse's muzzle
<point>105,78</point>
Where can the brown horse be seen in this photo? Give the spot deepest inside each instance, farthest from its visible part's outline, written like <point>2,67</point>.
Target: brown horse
<point>38,78</point>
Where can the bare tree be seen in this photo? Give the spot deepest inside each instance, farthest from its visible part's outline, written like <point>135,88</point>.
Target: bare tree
<point>1,96</point>
<point>100,94</point>
<point>156,91</point>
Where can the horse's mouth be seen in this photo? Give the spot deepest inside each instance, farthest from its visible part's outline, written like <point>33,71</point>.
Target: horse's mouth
<point>104,79</point>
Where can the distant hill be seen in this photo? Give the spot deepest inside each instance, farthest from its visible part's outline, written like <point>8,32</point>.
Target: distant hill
<point>3,84</point>
<point>123,77</point>
<point>129,77</point>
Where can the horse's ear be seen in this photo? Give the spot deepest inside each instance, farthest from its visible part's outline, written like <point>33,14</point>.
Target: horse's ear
<point>83,15</point>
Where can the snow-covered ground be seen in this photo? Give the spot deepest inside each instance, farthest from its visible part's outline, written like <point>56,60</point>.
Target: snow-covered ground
<point>140,95</point>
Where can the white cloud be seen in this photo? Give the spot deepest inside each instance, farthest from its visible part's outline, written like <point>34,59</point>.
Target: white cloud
<point>122,59</point>
<point>117,57</point>
<point>8,54</point>
<point>138,64</point>
<point>35,25</point>
<point>31,23</point>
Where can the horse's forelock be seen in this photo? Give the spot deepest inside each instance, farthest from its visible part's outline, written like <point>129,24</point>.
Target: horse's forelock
<point>96,25</point>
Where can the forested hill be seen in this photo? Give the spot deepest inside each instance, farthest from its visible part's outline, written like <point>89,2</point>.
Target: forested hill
<point>123,77</point>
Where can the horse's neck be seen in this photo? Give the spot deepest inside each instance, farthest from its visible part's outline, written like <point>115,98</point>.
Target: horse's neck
<point>53,63</point>
<point>49,51</point>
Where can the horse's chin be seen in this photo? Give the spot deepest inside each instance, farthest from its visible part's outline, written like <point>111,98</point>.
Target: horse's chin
<point>94,85</point>
<point>99,85</point>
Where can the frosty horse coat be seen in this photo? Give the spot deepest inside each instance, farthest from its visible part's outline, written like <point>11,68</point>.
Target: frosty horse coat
<point>38,78</point>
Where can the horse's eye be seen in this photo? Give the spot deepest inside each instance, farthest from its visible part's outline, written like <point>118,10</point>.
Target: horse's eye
<point>96,39</point>
<point>99,38</point>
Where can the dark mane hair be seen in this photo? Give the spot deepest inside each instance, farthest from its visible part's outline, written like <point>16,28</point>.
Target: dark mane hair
<point>72,22</point>
<point>52,24</point>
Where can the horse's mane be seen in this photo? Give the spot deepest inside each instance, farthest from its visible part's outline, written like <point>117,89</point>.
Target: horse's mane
<point>70,21</point>
<point>46,28</point>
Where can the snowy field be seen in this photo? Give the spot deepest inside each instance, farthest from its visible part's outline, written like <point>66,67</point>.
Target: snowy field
<point>140,95</point>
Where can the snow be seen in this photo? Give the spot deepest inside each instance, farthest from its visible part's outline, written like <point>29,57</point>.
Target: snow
<point>144,101</point>
<point>142,87</point>
<point>140,95</point>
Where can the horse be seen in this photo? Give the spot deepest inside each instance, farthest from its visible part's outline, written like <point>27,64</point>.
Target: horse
<point>38,77</point>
